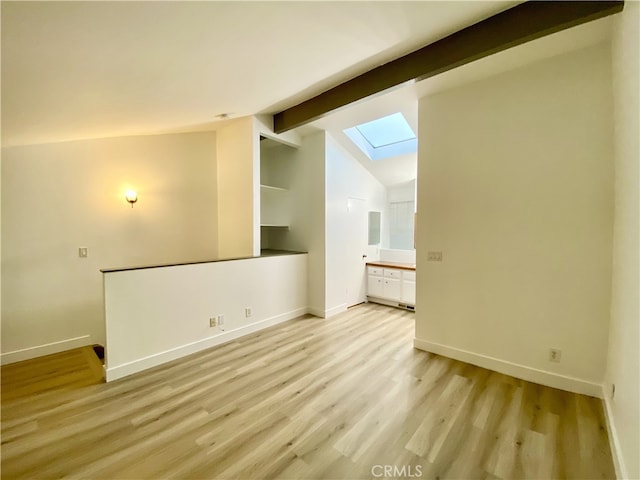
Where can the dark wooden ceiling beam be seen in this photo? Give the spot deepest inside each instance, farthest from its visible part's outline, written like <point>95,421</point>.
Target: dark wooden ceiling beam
<point>515,26</point>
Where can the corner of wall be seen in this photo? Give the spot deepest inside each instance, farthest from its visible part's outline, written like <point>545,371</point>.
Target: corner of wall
<point>313,153</point>
<point>614,439</point>
<point>623,365</point>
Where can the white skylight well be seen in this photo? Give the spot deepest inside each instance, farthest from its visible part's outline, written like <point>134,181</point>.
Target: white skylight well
<point>385,137</point>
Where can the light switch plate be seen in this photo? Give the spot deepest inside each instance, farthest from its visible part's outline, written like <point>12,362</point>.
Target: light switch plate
<point>83,252</point>
<point>434,256</point>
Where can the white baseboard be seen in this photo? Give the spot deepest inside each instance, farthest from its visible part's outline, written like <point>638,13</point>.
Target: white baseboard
<point>46,349</point>
<point>410,307</point>
<point>126,369</point>
<point>319,312</point>
<point>614,443</point>
<point>335,310</point>
<point>523,372</point>
<point>316,312</point>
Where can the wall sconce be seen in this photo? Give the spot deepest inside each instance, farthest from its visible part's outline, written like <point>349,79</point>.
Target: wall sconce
<point>131,196</point>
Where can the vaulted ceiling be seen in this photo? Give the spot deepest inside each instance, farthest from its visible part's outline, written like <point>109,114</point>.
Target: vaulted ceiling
<point>95,69</point>
<point>74,70</point>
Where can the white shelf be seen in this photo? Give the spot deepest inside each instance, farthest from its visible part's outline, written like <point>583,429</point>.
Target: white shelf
<point>269,188</point>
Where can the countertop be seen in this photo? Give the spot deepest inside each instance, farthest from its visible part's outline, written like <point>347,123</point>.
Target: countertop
<point>401,266</point>
<point>263,253</point>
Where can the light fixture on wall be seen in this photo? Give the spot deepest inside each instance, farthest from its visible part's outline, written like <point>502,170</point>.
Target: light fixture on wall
<point>131,196</point>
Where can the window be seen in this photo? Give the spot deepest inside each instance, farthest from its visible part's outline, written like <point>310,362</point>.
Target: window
<point>401,224</point>
<point>385,137</point>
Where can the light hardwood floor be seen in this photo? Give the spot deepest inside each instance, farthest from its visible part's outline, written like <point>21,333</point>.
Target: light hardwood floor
<point>310,398</point>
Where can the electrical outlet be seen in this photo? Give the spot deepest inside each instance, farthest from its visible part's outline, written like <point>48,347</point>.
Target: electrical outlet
<point>247,312</point>
<point>213,322</point>
<point>555,355</point>
<point>220,319</point>
<point>434,256</point>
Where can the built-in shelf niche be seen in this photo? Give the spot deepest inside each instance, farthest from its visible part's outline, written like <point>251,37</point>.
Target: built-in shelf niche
<point>275,201</point>
<point>274,206</point>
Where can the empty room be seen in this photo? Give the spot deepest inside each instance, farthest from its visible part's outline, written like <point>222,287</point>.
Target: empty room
<point>320,240</point>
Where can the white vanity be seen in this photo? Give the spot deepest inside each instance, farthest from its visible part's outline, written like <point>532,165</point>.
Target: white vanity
<point>392,284</point>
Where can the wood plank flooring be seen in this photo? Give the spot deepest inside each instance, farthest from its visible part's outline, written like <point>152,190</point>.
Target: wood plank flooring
<point>344,398</point>
<point>68,370</point>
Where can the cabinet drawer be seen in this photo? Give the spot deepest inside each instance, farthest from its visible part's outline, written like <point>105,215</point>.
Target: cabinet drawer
<point>391,273</point>
<point>377,271</point>
<point>409,275</point>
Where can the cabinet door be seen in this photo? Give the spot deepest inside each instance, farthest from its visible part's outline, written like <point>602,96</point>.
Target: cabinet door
<point>375,286</point>
<point>409,292</point>
<point>392,287</point>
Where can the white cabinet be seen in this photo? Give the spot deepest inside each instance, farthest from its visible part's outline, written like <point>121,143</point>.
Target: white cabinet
<point>409,287</point>
<point>392,273</point>
<point>408,292</point>
<point>375,286</point>
<point>392,286</point>
<point>376,271</point>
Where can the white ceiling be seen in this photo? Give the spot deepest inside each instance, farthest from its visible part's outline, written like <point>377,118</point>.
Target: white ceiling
<point>73,70</point>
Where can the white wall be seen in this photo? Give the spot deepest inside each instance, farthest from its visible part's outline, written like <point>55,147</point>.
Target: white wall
<point>400,238</point>
<point>398,256</point>
<point>515,187</point>
<point>58,197</point>
<point>345,178</point>
<point>302,170</point>
<point>159,314</point>
<point>309,182</point>
<point>321,177</point>
<point>238,164</point>
<point>1,248</point>
<point>624,335</point>
<point>404,192</point>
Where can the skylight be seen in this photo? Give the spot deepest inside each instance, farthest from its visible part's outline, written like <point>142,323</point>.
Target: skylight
<point>386,130</point>
<point>385,137</point>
